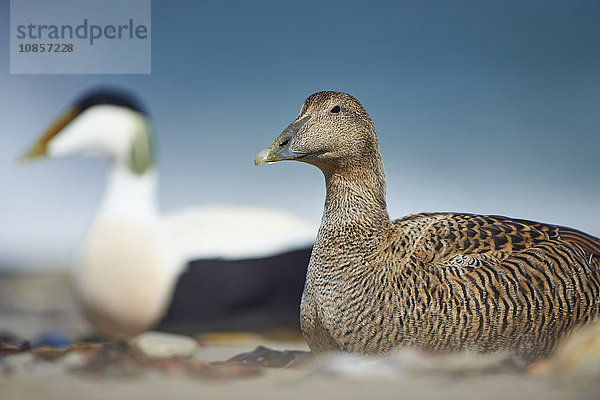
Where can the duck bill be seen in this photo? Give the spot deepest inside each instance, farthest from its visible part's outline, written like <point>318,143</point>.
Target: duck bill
<point>275,153</point>
<point>40,147</point>
<point>279,150</point>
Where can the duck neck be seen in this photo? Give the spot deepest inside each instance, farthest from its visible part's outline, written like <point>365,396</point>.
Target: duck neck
<point>130,193</point>
<point>356,196</point>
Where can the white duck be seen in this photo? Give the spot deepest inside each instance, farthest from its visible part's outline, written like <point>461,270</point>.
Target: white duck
<point>132,255</point>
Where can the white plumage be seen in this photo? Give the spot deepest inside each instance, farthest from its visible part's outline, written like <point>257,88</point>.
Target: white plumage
<point>132,254</point>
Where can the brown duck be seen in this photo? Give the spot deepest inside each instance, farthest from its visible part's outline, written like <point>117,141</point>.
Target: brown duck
<point>436,281</point>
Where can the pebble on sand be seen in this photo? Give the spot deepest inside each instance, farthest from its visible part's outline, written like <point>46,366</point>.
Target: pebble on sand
<point>165,345</point>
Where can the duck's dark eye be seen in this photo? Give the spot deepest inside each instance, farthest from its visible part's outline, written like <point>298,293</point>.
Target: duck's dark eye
<point>335,109</point>
<point>284,143</point>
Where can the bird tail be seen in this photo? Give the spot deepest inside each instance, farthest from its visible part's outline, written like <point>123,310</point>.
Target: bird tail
<point>590,244</point>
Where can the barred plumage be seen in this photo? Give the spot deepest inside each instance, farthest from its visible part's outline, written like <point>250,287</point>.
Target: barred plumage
<point>439,281</point>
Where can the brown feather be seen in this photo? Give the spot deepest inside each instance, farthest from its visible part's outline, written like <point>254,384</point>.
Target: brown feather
<point>440,281</point>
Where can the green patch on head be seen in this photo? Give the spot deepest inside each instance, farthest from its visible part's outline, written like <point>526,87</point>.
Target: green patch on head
<point>141,157</point>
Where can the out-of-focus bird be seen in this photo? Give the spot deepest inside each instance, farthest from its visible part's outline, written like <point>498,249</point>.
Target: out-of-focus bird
<point>438,281</point>
<point>132,254</point>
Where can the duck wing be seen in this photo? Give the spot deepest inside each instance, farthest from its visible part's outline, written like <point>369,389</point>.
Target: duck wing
<point>461,243</point>
<point>236,232</point>
<point>493,283</point>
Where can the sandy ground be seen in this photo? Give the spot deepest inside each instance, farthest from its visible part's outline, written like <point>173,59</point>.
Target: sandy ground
<point>31,305</point>
<point>347,378</point>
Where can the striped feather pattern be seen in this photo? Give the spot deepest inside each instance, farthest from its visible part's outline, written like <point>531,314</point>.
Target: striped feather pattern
<point>456,281</point>
<point>438,281</point>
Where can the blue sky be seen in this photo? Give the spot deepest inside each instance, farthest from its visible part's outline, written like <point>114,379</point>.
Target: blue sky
<point>484,107</point>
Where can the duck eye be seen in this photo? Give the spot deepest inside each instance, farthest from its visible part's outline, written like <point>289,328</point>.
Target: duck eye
<point>335,109</point>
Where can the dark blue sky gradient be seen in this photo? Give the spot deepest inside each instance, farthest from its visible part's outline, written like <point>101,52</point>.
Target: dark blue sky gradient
<point>480,107</point>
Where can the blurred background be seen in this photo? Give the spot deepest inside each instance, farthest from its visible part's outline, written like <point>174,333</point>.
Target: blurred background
<point>480,107</point>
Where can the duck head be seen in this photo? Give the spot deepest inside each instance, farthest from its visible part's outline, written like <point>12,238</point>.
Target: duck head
<point>331,132</point>
<point>105,122</point>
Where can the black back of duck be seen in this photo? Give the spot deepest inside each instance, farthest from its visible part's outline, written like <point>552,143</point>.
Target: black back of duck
<point>451,282</point>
